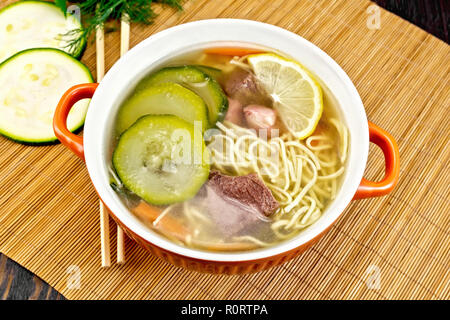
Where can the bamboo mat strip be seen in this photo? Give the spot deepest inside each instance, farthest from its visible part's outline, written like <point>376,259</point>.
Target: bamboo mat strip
<point>48,208</point>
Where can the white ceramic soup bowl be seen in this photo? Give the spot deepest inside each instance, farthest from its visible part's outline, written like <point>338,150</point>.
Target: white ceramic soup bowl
<point>95,146</point>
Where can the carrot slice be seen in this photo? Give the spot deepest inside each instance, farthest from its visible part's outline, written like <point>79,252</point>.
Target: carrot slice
<point>173,229</point>
<point>230,51</point>
<point>167,225</point>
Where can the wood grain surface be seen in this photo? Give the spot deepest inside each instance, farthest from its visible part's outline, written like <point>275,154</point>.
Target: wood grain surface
<point>17,283</point>
<point>431,15</point>
<point>49,210</point>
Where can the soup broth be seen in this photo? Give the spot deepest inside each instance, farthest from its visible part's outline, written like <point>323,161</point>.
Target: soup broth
<point>261,179</point>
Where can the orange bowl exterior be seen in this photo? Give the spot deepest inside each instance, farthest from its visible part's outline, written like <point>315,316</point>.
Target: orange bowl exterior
<point>219,267</point>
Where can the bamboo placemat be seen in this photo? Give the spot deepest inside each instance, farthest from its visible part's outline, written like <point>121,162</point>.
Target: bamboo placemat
<point>49,209</point>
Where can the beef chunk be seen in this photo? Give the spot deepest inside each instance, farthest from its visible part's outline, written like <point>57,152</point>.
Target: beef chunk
<point>230,217</point>
<point>243,86</point>
<point>236,204</point>
<point>248,190</point>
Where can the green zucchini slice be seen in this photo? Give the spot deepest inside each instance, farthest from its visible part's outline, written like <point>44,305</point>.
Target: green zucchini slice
<point>196,80</point>
<point>37,24</point>
<point>210,71</point>
<point>162,159</point>
<point>166,98</point>
<point>31,84</point>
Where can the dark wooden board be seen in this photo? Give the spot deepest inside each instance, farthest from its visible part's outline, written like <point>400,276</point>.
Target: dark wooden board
<point>17,283</point>
<point>431,15</point>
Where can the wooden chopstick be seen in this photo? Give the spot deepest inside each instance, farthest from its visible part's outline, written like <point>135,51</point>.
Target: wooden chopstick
<point>124,47</point>
<point>104,216</point>
<point>104,234</point>
<point>124,35</point>
<point>100,46</point>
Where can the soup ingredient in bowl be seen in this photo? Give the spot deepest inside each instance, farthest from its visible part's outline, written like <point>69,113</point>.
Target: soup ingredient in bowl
<point>248,190</point>
<point>236,203</point>
<point>212,72</point>
<point>166,98</point>
<point>235,112</point>
<point>165,224</point>
<point>195,80</point>
<point>229,216</point>
<point>296,95</point>
<point>31,84</point>
<point>243,86</point>
<point>162,159</point>
<point>260,117</point>
<point>37,24</point>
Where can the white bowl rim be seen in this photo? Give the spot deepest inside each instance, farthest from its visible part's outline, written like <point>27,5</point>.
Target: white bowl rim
<point>125,72</point>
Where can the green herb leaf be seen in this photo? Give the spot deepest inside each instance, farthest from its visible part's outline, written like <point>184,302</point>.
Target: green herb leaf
<point>95,13</point>
<point>62,4</point>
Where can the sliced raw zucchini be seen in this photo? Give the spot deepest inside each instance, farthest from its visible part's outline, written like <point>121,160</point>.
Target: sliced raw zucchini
<point>166,98</point>
<point>36,24</point>
<point>31,84</point>
<point>197,81</point>
<point>162,159</point>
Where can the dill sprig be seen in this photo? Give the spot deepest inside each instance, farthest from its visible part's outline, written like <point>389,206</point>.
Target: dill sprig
<point>96,13</point>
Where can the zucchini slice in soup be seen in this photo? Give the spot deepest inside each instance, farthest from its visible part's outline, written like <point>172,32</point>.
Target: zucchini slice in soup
<point>210,71</point>
<point>37,24</point>
<point>166,98</point>
<point>196,80</point>
<point>31,84</point>
<point>162,159</point>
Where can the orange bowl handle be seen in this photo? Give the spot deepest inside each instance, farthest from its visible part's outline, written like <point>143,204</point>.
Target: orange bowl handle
<point>72,96</point>
<point>386,142</point>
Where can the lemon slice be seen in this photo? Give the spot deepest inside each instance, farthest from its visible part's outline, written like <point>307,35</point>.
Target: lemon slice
<point>296,95</point>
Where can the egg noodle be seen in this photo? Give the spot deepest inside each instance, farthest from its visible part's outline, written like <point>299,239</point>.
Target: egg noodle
<point>302,175</point>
